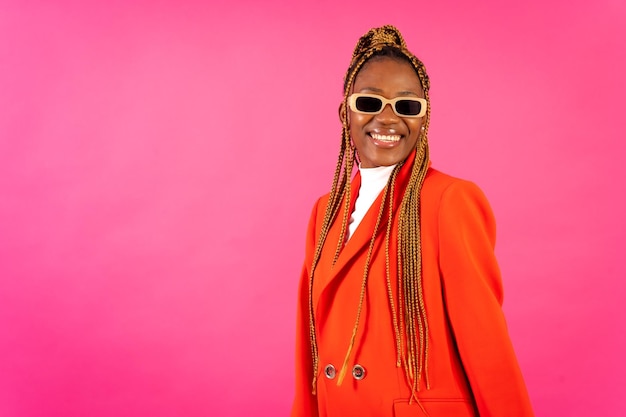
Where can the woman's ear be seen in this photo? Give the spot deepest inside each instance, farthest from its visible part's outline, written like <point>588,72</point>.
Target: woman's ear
<point>342,111</point>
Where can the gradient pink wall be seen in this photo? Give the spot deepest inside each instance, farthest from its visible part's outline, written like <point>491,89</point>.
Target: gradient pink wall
<point>152,223</point>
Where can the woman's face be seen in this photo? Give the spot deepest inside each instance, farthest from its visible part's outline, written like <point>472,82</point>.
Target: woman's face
<point>385,139</point>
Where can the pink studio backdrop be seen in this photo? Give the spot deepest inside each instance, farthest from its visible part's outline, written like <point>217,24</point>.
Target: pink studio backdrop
<point>158,161</point>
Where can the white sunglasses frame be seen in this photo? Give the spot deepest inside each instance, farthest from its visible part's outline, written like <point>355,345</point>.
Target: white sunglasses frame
<point>354,97</point>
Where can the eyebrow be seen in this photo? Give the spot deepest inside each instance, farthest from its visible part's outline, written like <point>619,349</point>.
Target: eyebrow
<point>399,93</point>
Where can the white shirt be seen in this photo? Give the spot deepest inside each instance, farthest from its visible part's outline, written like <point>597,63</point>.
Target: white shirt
<point>373,181</point>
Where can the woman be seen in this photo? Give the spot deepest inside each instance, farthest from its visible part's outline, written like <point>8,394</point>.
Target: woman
<point>400,298</point>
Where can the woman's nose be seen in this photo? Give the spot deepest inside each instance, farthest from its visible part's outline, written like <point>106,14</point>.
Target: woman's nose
<point>387,115</point>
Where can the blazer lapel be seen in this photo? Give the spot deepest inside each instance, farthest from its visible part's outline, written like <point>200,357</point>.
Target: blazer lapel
<point>358,244</point>
<point>326,272</point>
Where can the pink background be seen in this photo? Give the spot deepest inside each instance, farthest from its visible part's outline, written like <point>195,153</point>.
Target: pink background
<point>158,163</point>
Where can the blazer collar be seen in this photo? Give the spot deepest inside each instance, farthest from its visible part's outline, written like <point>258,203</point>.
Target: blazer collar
<point>360,241</point>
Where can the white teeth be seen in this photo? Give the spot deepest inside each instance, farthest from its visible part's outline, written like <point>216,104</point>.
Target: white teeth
<point>386,138</point>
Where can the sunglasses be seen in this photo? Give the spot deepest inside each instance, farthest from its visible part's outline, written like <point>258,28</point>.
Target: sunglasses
<point>374,104</point>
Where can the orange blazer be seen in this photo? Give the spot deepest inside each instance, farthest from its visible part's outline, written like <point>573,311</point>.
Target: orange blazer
<point>472,368</point>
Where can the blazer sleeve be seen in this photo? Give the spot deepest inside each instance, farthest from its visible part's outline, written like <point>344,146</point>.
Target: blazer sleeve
<point>473,297</point>
<point>305,403</point>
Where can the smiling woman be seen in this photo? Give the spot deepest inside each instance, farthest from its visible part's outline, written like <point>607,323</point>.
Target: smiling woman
<point>385,136</point>
<point>400,295</point>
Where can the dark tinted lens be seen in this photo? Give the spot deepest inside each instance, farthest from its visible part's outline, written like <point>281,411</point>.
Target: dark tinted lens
<point>368,104</point>
<point>408,107</point>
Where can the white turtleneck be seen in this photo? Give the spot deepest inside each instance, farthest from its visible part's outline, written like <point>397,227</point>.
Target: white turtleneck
<point>373,181</point>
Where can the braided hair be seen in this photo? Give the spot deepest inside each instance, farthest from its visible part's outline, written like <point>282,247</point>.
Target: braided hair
<point>409,313</point>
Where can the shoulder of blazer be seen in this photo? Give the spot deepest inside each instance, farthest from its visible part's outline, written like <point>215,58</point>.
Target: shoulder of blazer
<point>436,182</point>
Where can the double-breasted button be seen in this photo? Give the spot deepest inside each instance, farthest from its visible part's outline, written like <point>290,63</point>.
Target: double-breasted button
<point>329,371</point>
<point>358,372</point>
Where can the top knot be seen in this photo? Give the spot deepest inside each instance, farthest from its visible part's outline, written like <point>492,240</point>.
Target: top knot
<point>377,38</point>
<point>375,42</point>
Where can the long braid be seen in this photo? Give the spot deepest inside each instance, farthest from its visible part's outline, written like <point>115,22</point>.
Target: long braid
<point>368,258</point>
<point>409,321</point>
<point>346,206</point>
<point>409,244</point>
<point>336,195</point>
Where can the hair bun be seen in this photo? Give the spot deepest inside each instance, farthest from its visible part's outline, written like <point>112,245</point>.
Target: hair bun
<point>377,38</point>
<point>379,41</point>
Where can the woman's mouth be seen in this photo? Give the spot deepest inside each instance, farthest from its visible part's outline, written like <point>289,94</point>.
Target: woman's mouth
<point>385,139</point>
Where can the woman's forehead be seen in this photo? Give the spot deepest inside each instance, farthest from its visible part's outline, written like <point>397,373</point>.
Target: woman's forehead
<point>382,73</point>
